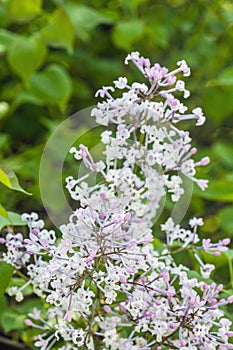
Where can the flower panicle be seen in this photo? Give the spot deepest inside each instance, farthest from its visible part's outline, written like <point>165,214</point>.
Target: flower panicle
<point>104,282</point>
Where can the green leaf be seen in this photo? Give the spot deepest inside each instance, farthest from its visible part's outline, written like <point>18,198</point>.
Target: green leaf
<point>29,304</point>
<point>218,102</point>
<point>11,320</point>
<point>52,86</point>
<point>226,77</point>
<point>4,140</point>
<point>84,18</point>
<point>229,254</point>
<point>20,282</point>
<point>4,18</point>
<point>14,220</point>
<point>195,274</point>
<point>23,10</point>
<point>225,218</point>
<point>6,39</point>
<point>220,190</point>
<point>3,305</point>
<point>227,11</point>
<point>133,4</point>
<point>26,55</point>
<point>126,33</point>
<point>211,224</point>
<point>9,179</point>
<point>224,151</point>
<point>6,272</point>
<point>60,31</point>
<point>218,261</point>
<point>3,213</point>
<point>25,97</point>
<point>4,109</point>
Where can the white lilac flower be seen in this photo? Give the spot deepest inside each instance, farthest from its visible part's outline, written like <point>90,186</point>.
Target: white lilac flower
<point>121,83</point>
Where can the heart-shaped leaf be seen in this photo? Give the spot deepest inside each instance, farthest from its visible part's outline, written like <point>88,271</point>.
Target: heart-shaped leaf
<point>26,55</point>
<point>126,33</point>
<point>59,32</point>
<point>52,86</point>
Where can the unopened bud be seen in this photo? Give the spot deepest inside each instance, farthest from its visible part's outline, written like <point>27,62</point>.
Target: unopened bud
<point>107,309</point>
<point>205,161</point>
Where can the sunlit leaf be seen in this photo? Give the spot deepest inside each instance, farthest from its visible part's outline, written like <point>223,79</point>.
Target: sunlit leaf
<point>3,213</point>
<point>6,39</point>
<point>211,224</point>
<point>9,179</point>
<point>23,10</point>
<point>6,272</point>
<point>218,261</point>
<point>60,31</point>
<point>220,190</point>
<point>4,109</point>
<point>26,55</point>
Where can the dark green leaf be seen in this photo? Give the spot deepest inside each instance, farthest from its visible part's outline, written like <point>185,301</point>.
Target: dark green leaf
<point>6,272</point>
<point>3,305</point>
<point>84,18</point>
<point>26,97</point>
<point>218,103</point>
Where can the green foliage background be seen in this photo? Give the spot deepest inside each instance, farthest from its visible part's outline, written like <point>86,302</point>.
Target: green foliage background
<point>56,53</point>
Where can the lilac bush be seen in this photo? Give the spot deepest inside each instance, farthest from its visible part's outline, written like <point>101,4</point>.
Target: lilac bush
<point>105,282</point>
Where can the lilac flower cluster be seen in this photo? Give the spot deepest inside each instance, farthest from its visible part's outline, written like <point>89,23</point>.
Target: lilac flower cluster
<point>105,283</point>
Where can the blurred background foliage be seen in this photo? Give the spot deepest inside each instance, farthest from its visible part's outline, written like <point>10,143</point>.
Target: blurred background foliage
<point>56,53</point>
